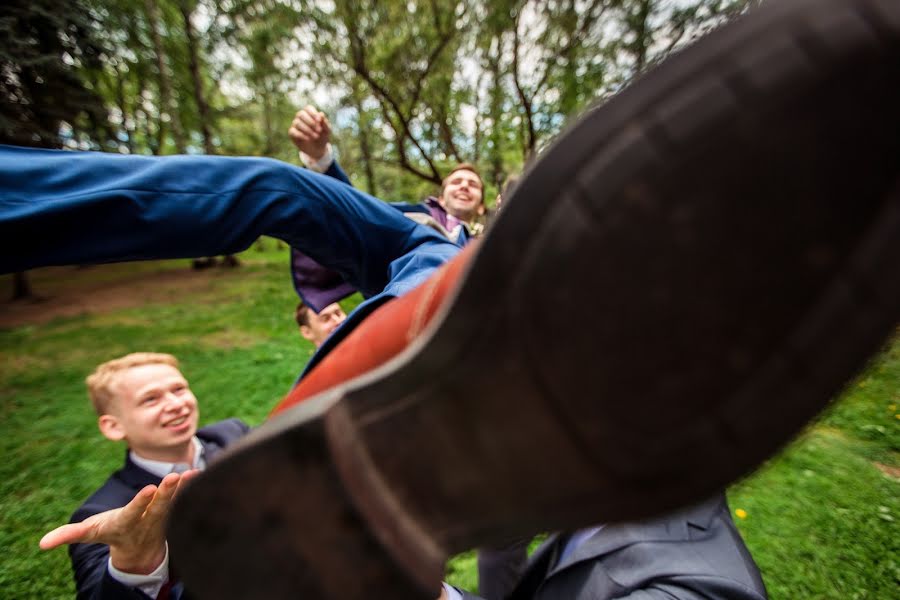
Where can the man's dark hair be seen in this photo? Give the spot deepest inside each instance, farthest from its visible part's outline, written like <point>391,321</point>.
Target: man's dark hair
<point>301,314</point>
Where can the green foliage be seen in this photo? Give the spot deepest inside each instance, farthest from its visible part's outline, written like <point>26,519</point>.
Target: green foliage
<point>42,45</point>
<point>412,88</point>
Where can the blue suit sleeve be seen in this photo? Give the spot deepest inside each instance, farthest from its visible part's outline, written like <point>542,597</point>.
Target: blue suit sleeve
<point>337,172</point>
<point>130,207</point>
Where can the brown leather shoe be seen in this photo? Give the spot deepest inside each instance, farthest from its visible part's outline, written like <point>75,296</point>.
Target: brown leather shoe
<point>679,284</point>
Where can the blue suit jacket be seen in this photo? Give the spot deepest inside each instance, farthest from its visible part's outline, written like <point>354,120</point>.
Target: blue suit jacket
<point>692,554</point>
<point>319,286</point>
<point>89,561</point>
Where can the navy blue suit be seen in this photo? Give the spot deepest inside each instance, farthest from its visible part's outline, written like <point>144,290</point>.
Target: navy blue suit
<point>89,561</point>
<point>63,208</point>
<point>317,285</point>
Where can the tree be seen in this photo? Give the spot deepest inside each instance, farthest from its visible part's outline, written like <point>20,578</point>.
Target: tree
<point>42,45</point>
<point>45,102</point>
<point>168,111</point>
<point>187,7</point>
<point>414,87</point>
<point>404,54</point>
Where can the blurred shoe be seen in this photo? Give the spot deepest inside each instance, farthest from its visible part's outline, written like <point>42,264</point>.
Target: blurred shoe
<point>680,283</point>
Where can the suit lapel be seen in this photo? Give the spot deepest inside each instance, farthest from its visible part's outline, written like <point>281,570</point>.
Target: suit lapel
<point>135,476</point>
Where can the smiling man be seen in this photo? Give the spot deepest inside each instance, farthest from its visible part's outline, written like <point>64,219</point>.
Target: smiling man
<point>462,195</point>
<point>458,213</point>
<point>145,401</point>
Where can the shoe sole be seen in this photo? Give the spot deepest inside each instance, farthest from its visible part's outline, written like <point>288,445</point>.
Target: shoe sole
<point>734,220</point>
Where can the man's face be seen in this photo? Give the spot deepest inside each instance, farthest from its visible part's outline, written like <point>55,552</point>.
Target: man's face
<point>323,324</point>
<point>461,196</point>
<point>154,411</point>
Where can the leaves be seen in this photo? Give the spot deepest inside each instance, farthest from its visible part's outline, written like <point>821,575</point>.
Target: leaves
<point>411,87</point>
<point>43,45</point>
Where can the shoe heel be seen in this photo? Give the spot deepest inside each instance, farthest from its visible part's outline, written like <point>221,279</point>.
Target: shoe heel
<point>272,519</point>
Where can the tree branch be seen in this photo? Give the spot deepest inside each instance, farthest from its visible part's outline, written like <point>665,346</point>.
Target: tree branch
<point>405,133</point>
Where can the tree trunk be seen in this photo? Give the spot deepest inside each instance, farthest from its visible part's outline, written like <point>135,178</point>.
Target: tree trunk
<point>165,82</point>
<point>365,145</point>
<point>642,35</point>
<point>203,111</point>
<point>529,135</point>
<point>123,108</point>
<point>21,286</point>
<point>495,111</point>
<point>268,131</point>
<point>199,97</point>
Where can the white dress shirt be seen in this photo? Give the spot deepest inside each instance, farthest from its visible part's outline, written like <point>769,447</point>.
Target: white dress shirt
<point>322,164</point>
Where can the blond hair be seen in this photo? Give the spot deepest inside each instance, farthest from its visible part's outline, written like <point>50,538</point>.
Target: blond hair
<point>100,383</point>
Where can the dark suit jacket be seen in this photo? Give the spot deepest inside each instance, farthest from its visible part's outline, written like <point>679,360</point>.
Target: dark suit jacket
<point>89,561</point>
<point>691,554</point>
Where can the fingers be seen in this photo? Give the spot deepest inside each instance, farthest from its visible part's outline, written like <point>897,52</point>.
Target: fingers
<point>169,487</point>
<point>187,476</point>
<point>309,124</point>
<point>309,118</point>
<point>103,527</point>
<point>148,507</point>
<point>311,114</point>
<point>100,527</point>
<point>182,482</point>
<point>67,534</point>
<point>301,134</point>
<point>306,129</point>
<point>134,510</point>
<point>162,500</point>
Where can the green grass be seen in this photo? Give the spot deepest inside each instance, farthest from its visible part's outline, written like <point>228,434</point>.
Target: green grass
<point>822,520</point>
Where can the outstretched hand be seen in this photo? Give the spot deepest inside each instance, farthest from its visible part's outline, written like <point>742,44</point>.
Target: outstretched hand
<point>310,131</point>
<point>135,533</point>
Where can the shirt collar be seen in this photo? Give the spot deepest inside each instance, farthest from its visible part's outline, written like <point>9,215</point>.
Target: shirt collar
<point>161,469</point>
<point>448,221</point>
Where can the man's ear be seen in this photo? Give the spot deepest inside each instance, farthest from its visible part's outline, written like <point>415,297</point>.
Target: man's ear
<point>306,332</point>
<point>111,428</point>
<point>481,209</point>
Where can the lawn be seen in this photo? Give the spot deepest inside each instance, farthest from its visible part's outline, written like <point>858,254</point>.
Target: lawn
<point>822,519</point>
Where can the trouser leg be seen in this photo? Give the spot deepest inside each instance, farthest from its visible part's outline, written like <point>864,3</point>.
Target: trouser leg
<point>84,207</point>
